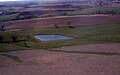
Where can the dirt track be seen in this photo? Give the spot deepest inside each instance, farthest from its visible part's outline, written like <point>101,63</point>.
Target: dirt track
<point>41,62</point>
<point>62,21</point>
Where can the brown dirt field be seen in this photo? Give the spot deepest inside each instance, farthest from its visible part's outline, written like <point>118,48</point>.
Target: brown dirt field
<point>115,47</point>
<point>42,62</point>
<point>62,21</point>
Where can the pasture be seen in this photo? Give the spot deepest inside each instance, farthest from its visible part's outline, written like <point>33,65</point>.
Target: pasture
<point>105,33</point>
<point>97,10</point>
<point>93,47</point>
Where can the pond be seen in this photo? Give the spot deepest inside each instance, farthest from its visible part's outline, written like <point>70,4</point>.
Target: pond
<point>52,37</point>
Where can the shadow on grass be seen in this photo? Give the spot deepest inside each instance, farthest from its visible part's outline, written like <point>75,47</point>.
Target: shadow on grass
<point>15,58</point>
<point>12,41</point>
<point>82,52</point>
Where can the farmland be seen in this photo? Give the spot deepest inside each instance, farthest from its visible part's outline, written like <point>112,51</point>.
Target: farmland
<point>95,48</point>
<point>29,17</point>
<point>44,12</point>
<point>106,33</point>
<point>30,10</point>
<point>94,26</point>
<point>97,10</point>
<point>61,21</point>
<point>8,17</point>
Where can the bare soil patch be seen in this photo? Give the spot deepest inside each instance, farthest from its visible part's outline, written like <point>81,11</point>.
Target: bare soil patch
<point>42,62</point>
<point>94,48</point>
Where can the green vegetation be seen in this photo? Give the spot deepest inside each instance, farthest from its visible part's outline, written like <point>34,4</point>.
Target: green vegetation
<point>97,10</point>
<point>37,11</point>
<point>1,39</point>
<point>7,17</point>
<point>107,33</point>
<point>44,5</point>
<point>81,52</point>
<point>14,38</point>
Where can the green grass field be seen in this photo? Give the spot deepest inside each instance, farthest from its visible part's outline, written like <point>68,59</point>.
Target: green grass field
<point>89,11</point>
<point>7,17</point>
<point>106,33</point>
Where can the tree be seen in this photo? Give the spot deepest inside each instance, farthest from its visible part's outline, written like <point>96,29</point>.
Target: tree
<point>1,39</point>
<point>100,2</point>
<point>14,38</point>
<point>3,28</point>
<point>69,24</point>
<point>25,44</point>
<point>56,26</point>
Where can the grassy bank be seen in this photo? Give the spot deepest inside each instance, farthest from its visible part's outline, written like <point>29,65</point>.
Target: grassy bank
<point>107,33</point>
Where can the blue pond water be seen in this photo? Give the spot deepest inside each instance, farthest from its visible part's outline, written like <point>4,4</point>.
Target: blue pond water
<point>52,37</point>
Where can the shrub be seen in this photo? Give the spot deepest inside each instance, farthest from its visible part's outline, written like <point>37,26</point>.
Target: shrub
<point>14,38</point>
<point>3,28</point>
<point>1,39</point>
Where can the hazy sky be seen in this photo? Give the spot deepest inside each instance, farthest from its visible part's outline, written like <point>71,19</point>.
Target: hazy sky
<point>27,0</point>
<point>8,0</point>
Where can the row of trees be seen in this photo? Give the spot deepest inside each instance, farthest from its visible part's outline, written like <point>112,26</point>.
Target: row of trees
<point>14,39</point>
<point>2,28</point>
<point>106,12</point>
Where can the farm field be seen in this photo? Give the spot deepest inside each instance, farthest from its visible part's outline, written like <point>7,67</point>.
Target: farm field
<point>8,17</point>
<point>105,33</point>
<point>62,21</point>
<point>53,10</point>
<point>60,37</point>
<point>42,62</point>
<point>97,10</point>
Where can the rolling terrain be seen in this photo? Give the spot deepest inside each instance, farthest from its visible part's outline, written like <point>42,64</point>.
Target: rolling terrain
<point>94,26</point>
<point>62,21</point>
